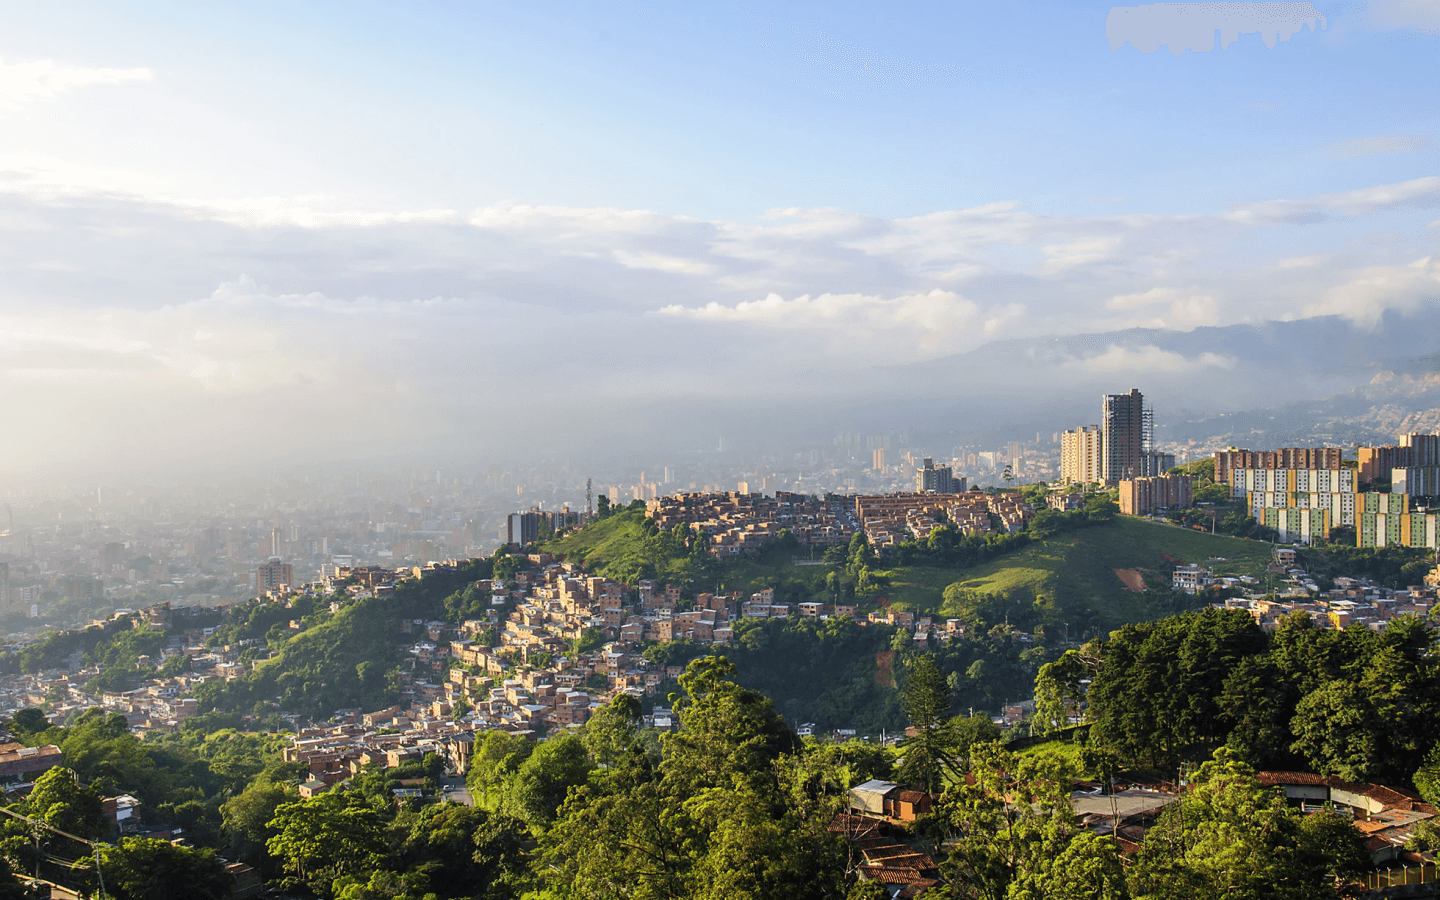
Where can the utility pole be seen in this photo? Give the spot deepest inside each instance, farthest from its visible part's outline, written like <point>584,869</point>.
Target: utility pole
<point>94,845</point>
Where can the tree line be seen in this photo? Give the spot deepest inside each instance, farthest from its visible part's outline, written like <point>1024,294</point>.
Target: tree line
<point>1355,703</point>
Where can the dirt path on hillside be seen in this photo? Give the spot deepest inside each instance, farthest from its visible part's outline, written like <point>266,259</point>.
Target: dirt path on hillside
<point>1132,579</point>
<point>885,669</point>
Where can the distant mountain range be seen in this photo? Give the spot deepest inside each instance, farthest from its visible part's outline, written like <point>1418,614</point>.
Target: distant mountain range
<point>1302,381</point>
<point>1317,380</point>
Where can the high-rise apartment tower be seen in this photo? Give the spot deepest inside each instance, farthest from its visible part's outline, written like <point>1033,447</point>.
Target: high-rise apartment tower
<point>1127,426</point>
<point>1081,455</point>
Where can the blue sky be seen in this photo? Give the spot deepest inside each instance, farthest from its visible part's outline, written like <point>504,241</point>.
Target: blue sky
<point>678,189</point>
<point>728,110</point>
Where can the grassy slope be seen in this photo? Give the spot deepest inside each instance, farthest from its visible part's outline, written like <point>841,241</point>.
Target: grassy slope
<point>599,543</point>
<point>619,538</point>
<point>1079,567</point>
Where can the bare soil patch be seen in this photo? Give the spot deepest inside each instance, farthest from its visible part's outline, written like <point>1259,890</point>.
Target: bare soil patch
<point>884,668</point>
<point>1132,579</point>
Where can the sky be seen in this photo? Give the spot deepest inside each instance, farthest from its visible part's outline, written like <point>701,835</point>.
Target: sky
<point>237,232</point>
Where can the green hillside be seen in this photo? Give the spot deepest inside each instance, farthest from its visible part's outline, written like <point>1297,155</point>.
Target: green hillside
<point>1078,571</point>
<point>625,548</point>
<point>1070,577</point>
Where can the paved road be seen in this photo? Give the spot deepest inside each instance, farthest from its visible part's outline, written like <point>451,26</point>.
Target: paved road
<point>452,787</point>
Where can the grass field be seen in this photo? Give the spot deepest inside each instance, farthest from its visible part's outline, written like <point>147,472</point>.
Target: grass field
<point>1069,751</point>
<point>1079,569</point>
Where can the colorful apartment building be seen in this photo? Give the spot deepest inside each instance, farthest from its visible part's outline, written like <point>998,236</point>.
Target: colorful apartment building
<point>1378,465</point>
<point>1416,481</point>
<point>1305,458</point>
<point>1393,524</point>
<point>1296,525</point>
<point>1290,481</point>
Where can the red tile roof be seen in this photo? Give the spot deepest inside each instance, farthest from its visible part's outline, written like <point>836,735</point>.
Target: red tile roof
<point>1273,779</point>
<point>886,875</point>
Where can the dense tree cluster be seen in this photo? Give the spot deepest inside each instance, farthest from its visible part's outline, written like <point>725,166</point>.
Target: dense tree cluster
<point>731,805</point>
<point>818,671</point>
<point>1356,703</point>
<point>1003,827</point>
<point>732,808</point>
<point>1007,833</point>
<point>57,841</point>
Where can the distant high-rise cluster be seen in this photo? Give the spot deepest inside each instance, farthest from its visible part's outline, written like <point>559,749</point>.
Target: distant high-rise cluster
<point>1120,447</point>
<point>522,528</point>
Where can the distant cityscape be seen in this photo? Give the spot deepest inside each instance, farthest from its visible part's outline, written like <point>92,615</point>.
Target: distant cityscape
<point>66,553</point>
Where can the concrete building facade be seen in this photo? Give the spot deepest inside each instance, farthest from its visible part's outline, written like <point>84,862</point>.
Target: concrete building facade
<point>1141,496</point>
<point>270,576</point>
<point>1416,481</point>
<point>1082,455</point>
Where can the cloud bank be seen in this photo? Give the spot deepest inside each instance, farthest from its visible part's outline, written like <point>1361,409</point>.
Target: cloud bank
<point>163,326</point>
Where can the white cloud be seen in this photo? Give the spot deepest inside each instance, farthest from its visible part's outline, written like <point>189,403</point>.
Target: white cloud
<point>1299,262</point>
<point>1149,359</point>
<point>33,82</point>
<point>662,263</point>
<point>1148,298</point>
<point>1080,253</point>
<point>921,325</point>
<point>1367,293</point>
<point>397,310</point>
<point>1413,193</point>
<point>1186,309</point>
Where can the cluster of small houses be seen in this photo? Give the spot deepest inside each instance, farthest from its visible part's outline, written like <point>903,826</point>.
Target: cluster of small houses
<point>518,669</point>
<point>513,669</point>
<point>735,522</point>
<point>889,519</point>
<point>1351,602</point>
<point>159,703</point>
<point>528,680</point>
